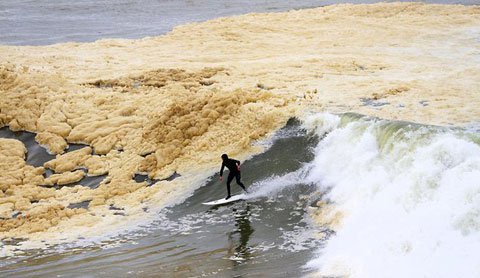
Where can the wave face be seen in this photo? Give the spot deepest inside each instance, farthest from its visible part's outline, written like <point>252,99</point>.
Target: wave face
<point>409,196</point>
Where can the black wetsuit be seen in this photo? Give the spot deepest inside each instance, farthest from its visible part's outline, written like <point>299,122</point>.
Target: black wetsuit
<point>232,166</point>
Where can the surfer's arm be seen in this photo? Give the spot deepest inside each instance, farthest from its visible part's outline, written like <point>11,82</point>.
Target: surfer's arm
<point>221,169</point>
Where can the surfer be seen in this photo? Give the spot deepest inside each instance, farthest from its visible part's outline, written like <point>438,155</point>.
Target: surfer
<point>234,168</point>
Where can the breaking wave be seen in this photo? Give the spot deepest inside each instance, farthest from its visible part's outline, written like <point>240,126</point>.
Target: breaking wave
<point>409,197</point>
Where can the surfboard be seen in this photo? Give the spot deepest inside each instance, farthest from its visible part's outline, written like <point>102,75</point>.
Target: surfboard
<point>222,201</point>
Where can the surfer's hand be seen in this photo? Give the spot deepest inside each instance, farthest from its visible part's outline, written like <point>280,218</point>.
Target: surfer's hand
<point>221,178</point>
<point>238,167</point>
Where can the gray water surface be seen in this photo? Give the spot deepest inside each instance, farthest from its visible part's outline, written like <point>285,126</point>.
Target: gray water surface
<point>41,22</point>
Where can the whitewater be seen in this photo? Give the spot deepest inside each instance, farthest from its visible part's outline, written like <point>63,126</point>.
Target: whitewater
<point>408,196</point>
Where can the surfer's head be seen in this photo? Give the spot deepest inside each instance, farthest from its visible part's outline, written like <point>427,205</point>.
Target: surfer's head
<point>224,156</point>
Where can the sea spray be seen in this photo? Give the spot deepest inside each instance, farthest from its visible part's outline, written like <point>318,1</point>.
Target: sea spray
<point>409,196</point>
<point>273,185</point>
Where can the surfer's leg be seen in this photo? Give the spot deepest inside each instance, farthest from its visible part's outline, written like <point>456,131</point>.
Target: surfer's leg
<point>239,182</point>
<point>229,180</point>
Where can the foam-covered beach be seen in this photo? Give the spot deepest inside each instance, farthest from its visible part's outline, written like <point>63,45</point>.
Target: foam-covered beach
<point>168,106</point>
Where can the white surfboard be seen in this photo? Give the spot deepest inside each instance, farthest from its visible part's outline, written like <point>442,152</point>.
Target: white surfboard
<point>223,201</point>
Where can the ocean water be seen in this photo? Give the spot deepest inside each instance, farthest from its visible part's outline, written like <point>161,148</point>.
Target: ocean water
<point>409,194</point>
<point>41,22</point>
